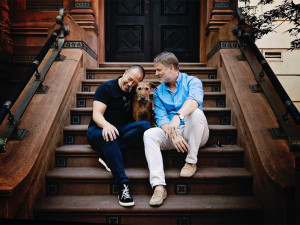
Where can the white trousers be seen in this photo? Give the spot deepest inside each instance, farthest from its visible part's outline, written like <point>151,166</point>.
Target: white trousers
<point>195,132</point>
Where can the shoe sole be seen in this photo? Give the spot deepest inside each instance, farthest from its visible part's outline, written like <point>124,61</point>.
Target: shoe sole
<point>187,176</point>
<point>126,204</point>
<point>104,164</point>
<point>181,175</point>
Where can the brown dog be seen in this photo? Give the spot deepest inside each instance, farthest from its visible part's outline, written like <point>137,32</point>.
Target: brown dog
<point>142,105</point>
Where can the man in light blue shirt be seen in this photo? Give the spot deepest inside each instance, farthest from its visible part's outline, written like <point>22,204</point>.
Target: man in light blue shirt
<point>180,120</point>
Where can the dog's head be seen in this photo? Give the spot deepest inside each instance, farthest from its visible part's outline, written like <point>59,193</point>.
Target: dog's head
<point>143,91</point>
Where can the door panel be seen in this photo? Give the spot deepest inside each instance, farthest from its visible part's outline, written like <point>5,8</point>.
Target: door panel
<point>134,34</point>
<point>128,31</point>
<point>175,28</point>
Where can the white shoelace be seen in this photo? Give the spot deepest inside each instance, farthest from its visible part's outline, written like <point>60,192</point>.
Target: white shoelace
<point>125,193</point>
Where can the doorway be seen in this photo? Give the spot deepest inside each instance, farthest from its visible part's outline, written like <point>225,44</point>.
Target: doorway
<point>137,30</point>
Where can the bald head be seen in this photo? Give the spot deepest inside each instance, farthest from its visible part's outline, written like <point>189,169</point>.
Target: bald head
<point>136,67</point>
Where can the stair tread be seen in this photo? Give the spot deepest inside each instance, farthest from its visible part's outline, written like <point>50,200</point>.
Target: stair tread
<point>205,109</point>
<point>151,68</point>
<point>207,93</point>
<point>146,80</point>
<point>81,149</point>
<point>99,173</point>
<point>87,149</point>
<point>144,64</point>
<point>84,127</point>
<point>174,203</point>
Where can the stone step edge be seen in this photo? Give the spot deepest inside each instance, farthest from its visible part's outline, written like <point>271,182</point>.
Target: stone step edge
<point>212,128</point>
<point>205,109</point>
<point>92,81</point>
<point>186,68</point>
<point>100,175</point>
<point>174,204</point>
<point>144,64</point>
<point>208,93</point>
<point>75,150</point>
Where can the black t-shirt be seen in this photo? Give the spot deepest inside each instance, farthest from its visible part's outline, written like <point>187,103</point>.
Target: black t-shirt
<point>118,102</point>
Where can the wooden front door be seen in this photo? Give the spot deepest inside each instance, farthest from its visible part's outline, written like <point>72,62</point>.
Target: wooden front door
<point>137,30</point>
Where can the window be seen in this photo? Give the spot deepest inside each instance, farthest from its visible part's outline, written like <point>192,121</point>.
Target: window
<point>272,55</point>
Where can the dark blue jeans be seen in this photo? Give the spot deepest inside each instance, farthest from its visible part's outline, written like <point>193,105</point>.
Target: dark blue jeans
<point>129,135</point>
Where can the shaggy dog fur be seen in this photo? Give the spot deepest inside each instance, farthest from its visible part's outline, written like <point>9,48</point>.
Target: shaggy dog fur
<point>142,105</point>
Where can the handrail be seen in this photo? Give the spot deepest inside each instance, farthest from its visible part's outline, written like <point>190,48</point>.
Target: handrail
<point>248,46</point>
<point>14,120</point>
<point>27,76</point>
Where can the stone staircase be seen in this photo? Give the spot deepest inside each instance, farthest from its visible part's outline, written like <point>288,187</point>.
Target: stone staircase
<point>79,189</point>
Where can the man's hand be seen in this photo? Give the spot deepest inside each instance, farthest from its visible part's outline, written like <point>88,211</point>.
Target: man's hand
<point>109,132</point>
<point>172,129</point>
<point>180,144</point>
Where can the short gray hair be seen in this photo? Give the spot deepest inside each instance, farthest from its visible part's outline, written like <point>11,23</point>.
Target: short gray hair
<point>167,59</point>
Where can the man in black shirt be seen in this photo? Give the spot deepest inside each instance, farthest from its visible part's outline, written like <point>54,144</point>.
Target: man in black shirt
<point>111,129</point>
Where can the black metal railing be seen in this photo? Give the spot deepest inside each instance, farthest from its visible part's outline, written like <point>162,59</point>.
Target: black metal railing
<point>260,68</point>
<point>11,131</point>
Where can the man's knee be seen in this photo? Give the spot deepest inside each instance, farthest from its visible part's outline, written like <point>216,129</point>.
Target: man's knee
<point>114,144</point>
<point>195,117</point>
<point>197,113</point>
<point>145,125</point>
<point>151,133</point>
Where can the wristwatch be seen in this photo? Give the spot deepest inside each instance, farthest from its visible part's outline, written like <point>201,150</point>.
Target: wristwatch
<point>181,117</point>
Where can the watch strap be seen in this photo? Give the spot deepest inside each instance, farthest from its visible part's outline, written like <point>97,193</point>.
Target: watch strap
<point>179,115</point>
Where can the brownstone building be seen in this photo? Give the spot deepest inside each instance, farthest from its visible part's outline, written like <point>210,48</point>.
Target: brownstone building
<point>245,175</point>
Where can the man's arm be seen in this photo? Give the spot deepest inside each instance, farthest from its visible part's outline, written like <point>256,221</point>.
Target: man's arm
<point>109,131</point>
<point>161,114</point>
<point>180,144</point>
<point>192,102</point>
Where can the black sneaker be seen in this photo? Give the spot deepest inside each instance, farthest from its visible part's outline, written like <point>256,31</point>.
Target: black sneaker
<point>125,198</point>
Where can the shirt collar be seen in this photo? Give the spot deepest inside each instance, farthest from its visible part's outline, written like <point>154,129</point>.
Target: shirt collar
<point>179,78</point>
<point>178,81</point>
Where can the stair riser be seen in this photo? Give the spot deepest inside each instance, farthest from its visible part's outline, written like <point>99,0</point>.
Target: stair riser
<point>174,218</point>
<point>206,87</point>
<point>225,137</point>
<point>173,161</point>
<point>142,187</point>
<point>170,161</point>
<point>149,75</point>
<point>216,118</point>
<point>209,101</point>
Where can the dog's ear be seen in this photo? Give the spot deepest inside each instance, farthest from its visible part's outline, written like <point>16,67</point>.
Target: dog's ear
<point>152,85</point>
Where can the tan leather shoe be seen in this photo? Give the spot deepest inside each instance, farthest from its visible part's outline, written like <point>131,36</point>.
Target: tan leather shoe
<point>188,170</point>
<point>158,197</point>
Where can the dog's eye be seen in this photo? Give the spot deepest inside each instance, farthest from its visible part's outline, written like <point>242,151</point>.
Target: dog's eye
<point>147,89</point>
<point>140,88</point>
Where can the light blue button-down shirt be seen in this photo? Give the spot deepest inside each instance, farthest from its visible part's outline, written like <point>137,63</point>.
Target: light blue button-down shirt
<point>167,103</point>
